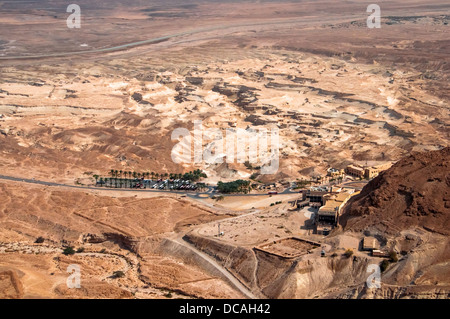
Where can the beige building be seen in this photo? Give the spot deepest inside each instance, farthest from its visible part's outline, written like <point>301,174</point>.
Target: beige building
<point>367,172</point>
<point>355,171</point>
<point>329,213</point>
<point>370,243</point>
<point>333,172</point>
<point>371,172</point>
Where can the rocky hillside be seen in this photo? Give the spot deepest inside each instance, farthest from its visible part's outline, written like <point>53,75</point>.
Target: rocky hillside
<point>414,192</point>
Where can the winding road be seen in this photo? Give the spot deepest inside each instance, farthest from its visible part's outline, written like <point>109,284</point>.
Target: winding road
<point>224,272</point>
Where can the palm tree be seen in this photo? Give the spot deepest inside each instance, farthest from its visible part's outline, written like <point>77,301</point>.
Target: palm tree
<point>120,173</point>
<point>96,179</point>
<point>112,173</point>
<point>101,181</point>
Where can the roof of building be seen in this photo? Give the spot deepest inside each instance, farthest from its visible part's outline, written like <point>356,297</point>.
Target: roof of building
<point>334,201</point>
<point>370,243</point>
<point>327,212</point>
<point>317,193</point>
<point>355,167</point>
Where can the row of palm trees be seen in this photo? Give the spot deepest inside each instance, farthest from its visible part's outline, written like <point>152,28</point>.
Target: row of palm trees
<point>120,173</point>
<point>328,179</point>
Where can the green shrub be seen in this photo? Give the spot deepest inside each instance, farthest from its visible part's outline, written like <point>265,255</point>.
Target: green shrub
<point>384,265</point>
<point>39,240</point>
<point>348,253</point>
<point>118,274</point>
<point>168,295</point>
<point>80,250</point>
<point>393,256</point>
<point>68,251</point>
<point>238,186</point>
<point>219,198</point>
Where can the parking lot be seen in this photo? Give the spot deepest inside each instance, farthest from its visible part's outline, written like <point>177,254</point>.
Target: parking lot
<point>164,184</point>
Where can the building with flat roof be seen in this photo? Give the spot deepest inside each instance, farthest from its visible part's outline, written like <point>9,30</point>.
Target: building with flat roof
<point>316,196</point>
<point>370,243</point>
<point>333,172</point>
<point>328,214</point>
<point>379,253</point>
<point>371,172</point>
<point>355,171</point>
<point>367,172</point>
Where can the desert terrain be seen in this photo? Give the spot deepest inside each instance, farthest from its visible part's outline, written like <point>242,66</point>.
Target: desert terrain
<point>79,102</point>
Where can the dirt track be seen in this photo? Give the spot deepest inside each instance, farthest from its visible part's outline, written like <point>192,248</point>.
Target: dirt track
<point>207,259</point>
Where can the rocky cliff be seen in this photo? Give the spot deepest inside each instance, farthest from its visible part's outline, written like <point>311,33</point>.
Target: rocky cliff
<point>415,192</point>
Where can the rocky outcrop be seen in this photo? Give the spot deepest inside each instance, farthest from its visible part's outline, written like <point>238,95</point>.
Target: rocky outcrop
<point>10,285</point>
<point>415,192</point>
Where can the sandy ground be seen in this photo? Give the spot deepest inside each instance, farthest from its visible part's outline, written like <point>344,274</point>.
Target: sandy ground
<point>256,227</point>
<point>237,203</point>
<point>334,104</point>
<point>338,93</point>
<point>110,230</point>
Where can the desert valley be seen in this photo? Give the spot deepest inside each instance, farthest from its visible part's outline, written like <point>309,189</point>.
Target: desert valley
<point>87,169</point>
